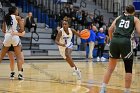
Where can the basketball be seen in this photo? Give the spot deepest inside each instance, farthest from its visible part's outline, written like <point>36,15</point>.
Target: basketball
<point>85,34</point>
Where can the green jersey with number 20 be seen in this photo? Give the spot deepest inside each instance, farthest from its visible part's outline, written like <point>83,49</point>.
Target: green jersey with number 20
<point>124,26</point>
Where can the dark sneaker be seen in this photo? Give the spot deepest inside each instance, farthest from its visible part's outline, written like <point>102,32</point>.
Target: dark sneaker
<point>20,77</point>
<point>12,75</point>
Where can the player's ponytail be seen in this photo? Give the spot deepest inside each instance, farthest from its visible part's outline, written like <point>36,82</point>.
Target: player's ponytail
<point>8,18</point>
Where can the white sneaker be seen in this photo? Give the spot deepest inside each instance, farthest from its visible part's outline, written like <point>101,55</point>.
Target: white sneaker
<point>127,92</point>
<point>74,73</point>
<point>103,90</point>
<point>78,74</point>
<point>103,59</point>
<point>98,58</point>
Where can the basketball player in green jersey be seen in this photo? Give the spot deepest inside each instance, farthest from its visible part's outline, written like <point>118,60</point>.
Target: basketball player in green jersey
<point>120,33</point>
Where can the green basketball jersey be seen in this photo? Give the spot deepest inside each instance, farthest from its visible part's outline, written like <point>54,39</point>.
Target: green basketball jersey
<point>124,26</point>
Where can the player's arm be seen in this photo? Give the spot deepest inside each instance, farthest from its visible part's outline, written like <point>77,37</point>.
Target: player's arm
<point>137,24</point>
<point>111,28</point>
<point>75,32</point>
<point>59,34</point>
<point>19,33</point>
<point>4,27</point>
<point>21,23</point>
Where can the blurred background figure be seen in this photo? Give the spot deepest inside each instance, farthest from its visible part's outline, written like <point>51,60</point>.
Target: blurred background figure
<point>135,45</point>
<point>91,41</point>
<point>30,22</point>
<point>101,44</point>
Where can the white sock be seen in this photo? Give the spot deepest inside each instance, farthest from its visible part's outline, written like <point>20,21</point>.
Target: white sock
<point>127,90</point>
<point>103,85</point>
<point>20,72</point>
<point>73,68</point>
<point>12,71</point>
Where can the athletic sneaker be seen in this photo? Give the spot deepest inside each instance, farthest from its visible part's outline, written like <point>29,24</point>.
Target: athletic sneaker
<point>78,74</point>
<point>98,58</point>
<point>20,77</point>
<point>103,90</point>
<point>12,75</point>
<point>103,59</point>
<point>127,92</point>
<point>74,73</point>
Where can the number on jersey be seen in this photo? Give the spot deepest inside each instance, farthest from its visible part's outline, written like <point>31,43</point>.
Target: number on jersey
<point>124,24</point>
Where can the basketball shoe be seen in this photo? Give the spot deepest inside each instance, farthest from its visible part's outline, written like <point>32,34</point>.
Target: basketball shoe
<point>12,75</point>
<point>127,91</point>
<point>103,59</point>
<point>98,58</point>
<point>103,90</point>
<point>20,77</point>
<point>78,74</point>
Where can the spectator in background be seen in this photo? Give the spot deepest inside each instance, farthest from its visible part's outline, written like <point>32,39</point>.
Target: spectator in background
<point>0,5</point>
<point>91,41</point>
<point>135,44</point>
<point>101,44</point>
<point>29,22</point>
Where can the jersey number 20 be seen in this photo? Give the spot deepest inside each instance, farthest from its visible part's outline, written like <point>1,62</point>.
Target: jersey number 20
<point>124,24</point>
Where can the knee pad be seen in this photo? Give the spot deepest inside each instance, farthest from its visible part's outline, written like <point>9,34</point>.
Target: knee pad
<point>128,63</point>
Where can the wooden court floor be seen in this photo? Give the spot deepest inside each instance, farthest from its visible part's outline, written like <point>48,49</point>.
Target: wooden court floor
<point>55,76</point>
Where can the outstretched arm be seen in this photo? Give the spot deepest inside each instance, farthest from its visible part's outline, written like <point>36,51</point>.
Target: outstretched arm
<point>75,32</point>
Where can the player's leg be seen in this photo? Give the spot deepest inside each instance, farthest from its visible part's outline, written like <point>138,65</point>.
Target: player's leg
<point>12,60</point>
<point>127,55</point>
<point>111,66</point>
<point>12,65</point>
<point>128,74</point>
<point>69,59</point>
<point>114,54</point>
<point>3,52</point>
<point>18,54</point>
